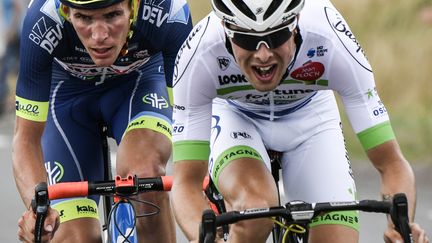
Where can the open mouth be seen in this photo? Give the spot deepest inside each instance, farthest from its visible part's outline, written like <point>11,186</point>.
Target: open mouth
<point>265,72</point>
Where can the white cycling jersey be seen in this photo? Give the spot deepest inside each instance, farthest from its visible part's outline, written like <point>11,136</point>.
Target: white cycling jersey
<point>329,58</point>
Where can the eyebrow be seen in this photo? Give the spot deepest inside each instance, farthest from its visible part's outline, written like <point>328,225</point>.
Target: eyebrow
<point>89,14</point>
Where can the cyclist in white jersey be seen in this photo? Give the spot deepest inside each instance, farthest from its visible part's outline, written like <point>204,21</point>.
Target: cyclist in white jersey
<point>260,75</point>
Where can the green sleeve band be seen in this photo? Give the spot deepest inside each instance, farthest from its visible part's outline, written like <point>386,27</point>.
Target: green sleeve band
<point>376,135</point>
<point>31,110</point>
<point>76,208</point>
<point>191,150</point>
<point>150,122</point>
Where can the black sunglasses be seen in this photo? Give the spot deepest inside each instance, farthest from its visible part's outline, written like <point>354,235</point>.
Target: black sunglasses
<point>252,40</point>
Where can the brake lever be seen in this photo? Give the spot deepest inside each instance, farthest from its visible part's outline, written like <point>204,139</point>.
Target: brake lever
<point>399,216</point>
<point>207,232</point>
<point>40,204</point>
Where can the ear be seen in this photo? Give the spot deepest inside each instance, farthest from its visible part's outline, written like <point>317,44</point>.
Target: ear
<point>64,11</point>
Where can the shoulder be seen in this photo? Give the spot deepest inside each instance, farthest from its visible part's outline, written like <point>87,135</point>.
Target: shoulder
<point>321,23</point>
<point>319,17</point>
<point>207,33</point>
<point>161,12</point>
<point>43,25</point>
<point>204,44</point>
<point>163,24</point>
<point>46,11</point>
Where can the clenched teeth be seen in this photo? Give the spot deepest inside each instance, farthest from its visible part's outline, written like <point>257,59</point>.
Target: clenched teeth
<point>264,69</point>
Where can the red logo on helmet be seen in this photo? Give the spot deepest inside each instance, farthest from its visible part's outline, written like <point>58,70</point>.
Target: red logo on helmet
<point>310,71</point>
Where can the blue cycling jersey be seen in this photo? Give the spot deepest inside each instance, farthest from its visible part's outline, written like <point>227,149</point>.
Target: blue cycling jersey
<point>47,37</point>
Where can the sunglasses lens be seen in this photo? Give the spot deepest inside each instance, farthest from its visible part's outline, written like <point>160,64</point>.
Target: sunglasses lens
<point>251,42</point>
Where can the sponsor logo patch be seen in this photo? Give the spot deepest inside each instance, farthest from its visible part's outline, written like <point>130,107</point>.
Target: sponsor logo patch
<point>223,63</point>
<point>55,172</point>
<point>155,101</point>
<point>310,71</point>
<point>46,36</point>
<point>319,51</point>
<point>311,53</point>
<point>178,129</point>
<point>232,79</point>
<point>240,135</point>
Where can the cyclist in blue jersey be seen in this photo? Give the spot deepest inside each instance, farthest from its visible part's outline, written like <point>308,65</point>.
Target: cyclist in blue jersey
<point>87,64</point>
<point>259,75</point>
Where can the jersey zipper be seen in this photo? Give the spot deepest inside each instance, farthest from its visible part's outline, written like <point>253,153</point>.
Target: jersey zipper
<point>271,103</point>
<point>102,79</point>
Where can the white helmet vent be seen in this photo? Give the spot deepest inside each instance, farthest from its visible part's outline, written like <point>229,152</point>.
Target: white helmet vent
<point>258,15</point>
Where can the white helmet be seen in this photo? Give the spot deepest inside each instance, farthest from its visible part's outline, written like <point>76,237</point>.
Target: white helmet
<point>257,15</point>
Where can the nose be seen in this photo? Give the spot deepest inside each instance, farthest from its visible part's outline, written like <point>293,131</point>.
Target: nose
<point>99,32</point>
<point>263,52</point>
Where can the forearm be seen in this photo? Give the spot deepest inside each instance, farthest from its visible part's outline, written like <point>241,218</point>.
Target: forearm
<point>188,206</point>
<point>395,171</point>
<point>28,168</point>
<point>400,179</point>
<point>188,199</point>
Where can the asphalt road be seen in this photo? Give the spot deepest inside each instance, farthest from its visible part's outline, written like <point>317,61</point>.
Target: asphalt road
<point>372,225</point>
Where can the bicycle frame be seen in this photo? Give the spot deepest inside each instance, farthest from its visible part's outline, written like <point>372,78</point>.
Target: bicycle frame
<point>124,212</point>
<point>122,228</point>
<point>122,224</point>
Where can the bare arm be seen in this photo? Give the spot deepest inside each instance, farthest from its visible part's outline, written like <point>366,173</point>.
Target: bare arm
<point>397,176</point>
<point>28,166</point>
<point>188,199</point>
<point>395,171</point>
<point>28,169</point>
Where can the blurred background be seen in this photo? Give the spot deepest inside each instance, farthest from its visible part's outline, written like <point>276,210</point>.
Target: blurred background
<point>11,16</point>
<point>397,38</point>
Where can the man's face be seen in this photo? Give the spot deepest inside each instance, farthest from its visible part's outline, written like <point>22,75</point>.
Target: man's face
<point>102,31</point>
<point>262,63</point>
